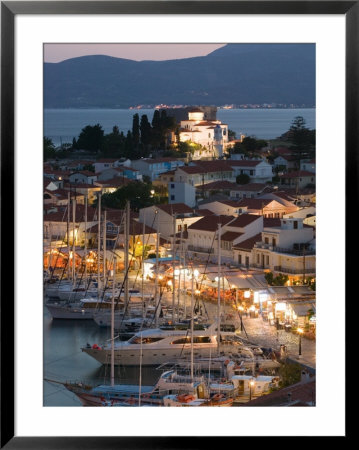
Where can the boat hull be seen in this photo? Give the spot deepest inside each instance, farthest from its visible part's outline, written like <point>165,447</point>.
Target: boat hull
<point>63,312</point>
<point>131,357</point>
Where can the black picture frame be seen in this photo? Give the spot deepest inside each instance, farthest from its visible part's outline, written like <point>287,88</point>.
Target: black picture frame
<point>9,9</point>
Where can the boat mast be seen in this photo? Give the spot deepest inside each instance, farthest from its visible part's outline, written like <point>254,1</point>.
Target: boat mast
<point>143,267</point>
<point>157,297</point>
<point>99,245</point>
<point>73,240</point>
<point>127,233</point>
<point>219,289</point>
<point>85,249</point>
<point>173,268</point>
<point>104,248</point>
<point>113,325</point>
<point>140,381</point>
<point>192,296</point>
<point>68,235</point>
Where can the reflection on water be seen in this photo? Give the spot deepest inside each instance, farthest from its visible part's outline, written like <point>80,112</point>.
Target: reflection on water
<point>64,360</point>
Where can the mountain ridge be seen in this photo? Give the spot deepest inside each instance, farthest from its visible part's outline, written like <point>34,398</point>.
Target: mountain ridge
<point>233,74</point>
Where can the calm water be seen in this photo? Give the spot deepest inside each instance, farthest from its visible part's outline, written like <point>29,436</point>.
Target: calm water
<point>62,125</point>
<point>64,360</point>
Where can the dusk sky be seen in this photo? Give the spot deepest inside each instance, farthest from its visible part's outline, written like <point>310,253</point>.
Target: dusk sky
<point>138,52</point>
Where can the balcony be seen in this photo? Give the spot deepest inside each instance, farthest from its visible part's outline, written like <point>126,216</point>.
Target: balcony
<point>306,271</point>
<point>193,248</point>
<point>291,251</point>
<point>288,251</point>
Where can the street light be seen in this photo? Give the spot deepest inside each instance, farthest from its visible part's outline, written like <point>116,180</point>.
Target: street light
<point>300,332</point>
<point>251,384</point>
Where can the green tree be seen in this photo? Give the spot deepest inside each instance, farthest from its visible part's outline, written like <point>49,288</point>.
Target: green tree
<point>145,130</point>
<point>136,130</point>
<point>113,144</point>
<point>138,193</point>
<point>90,168</point>
<point>289,373</point>
<point>301,138</point>
<point>243,178</point>
<point>279,280</point>
<point>91,138</point>
<point>49,149</point>
<point>231,135</point>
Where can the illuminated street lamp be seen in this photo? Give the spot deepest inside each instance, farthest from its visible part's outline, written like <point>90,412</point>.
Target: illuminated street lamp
<point>300,332</point>
<point>251,384</point>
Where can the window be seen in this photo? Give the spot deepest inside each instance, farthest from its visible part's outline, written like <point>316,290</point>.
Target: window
<point>239,259</point>
<point>251,172</point>
<point>295,224</point>
<point>247,261</point>
<point>145,340</point>
<point>267,260</point>
<point>274,242</point>
<point>266,240</point>
<point>173,197</point>
<point>172,186</point>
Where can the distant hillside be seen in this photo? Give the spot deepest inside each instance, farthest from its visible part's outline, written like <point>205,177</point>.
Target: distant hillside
<point>233,74</point>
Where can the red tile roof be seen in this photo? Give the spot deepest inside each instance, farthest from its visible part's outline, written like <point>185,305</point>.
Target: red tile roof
<point>230,236</point>
<point>214,166</point>
<point>232,203</point>
<point>271,222</point>
<point>244,219</point>
<point>113,182</point>
<point>210,223</point>
<point>283,195</point>
<point>300,394</point>
<point>244,162</point>
<point>205,212</point>
<point>191,170</point>
<point>298,173</point>
<point>217,185</point>
<point>256,187</point>
<point>248,244</point>
<point>255,203</point>
<point>87,173</point>
<point>175,208</point>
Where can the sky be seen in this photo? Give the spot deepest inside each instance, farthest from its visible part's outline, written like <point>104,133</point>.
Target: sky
<point>137,52</point>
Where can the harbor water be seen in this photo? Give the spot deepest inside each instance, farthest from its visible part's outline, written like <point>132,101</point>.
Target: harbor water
<point>62,125</point>
<point>64,360</point>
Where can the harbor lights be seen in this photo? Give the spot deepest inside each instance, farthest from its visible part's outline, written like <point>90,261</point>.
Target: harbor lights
<point>251,385</point>
<point>300,332</point>
<point>247,294</point>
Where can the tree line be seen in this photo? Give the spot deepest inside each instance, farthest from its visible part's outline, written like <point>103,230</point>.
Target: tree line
<point>139,142</point>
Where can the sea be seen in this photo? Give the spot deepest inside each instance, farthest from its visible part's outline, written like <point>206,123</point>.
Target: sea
<point>62,125</point>
<point>64,361</point>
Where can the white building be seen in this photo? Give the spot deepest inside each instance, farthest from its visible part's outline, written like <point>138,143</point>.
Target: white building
<point>164,218</point>
<point>258,170</point>
<point>288,249</point>
<point>105,163</point>
<point>154,167</point>
<point>308,165</point>
<point>202,172</point>
<point>181,193</point>
<point>211,134</point>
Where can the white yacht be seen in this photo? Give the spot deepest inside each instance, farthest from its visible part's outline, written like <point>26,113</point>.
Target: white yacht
<point>83,309</point>
<point>164,344</point>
